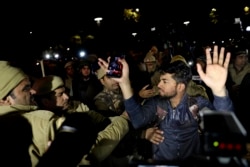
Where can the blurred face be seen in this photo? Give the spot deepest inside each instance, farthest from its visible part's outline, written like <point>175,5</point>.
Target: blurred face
<point>109,83</point>
<point>70,70</point>
<point>151,66</point>
<point>240,61</point>
<point>167,86</point>
<point>21,95</point>
<point>60,99</point>
<point>154,49</point>
<point>85,70</point>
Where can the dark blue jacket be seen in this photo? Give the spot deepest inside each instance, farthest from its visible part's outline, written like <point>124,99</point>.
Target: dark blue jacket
<point>179,125</point>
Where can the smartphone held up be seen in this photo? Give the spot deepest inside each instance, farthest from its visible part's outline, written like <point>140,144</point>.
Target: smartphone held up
<point>115,67</point>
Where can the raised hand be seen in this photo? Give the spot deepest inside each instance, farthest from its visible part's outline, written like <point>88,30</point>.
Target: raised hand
<point>123,81</point>
<point>125,68</point>
<point>216,72</point>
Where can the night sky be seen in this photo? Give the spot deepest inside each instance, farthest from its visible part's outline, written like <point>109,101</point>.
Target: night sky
<point>53,22</point>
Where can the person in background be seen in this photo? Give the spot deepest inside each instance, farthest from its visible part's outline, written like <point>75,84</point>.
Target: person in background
<point>239,71</point>
<point>110,100</point>
<point>173,112</point>
<point>157,53</point>
<point>50,94</point>
<point>238,68</point>
<point>85,84</point>
<point>69,68</point>
<point>239,65</point>
<point>148,79</point>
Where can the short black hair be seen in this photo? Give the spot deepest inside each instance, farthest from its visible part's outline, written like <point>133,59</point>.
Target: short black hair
<point>181,72</point>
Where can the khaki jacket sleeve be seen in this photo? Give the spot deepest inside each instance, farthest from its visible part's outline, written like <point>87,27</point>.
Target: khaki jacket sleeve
<point>108,139</point>
<point>82,108</point>
<point>101,105</point>
<point>44,126</point>
<point>77,106</point>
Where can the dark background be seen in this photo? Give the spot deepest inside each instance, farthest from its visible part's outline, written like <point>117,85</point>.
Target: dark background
<point>54,23</point>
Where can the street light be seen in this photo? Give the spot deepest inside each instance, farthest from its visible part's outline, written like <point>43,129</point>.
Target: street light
<point>98,20</point>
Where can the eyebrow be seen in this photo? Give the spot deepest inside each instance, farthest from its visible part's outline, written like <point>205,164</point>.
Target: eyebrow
<point>164,79</point>
<point>26,87</point>
<point>59,93</point>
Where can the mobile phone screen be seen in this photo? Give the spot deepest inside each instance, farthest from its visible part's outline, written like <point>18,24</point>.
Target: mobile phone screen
<point>114,68</point>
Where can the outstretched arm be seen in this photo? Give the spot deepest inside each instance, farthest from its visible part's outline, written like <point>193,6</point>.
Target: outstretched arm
<point>216,72</point>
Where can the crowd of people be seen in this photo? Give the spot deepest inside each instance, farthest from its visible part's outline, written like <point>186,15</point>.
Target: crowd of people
<point>82,117</point>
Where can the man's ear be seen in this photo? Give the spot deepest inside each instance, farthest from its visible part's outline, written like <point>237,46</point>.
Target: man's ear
<point>181,87</point>
<point>102,81</point>
<point>8,101</point>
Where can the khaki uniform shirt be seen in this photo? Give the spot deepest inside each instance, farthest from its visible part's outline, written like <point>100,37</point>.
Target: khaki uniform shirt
<point>108,138</point>
<point>43,123</point>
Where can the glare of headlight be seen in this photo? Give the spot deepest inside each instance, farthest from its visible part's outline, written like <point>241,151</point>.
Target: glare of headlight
<point>237,21</point>
<point>98,19</point>
<point>248,28</point>
<point>56,55</point>
<point>186,22</point>
<point>82,53</point>
<point>246,9</point>
<point>47,56</point>
<point>190,63</point>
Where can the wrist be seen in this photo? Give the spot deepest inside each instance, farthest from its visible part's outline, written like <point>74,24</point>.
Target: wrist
<point>126,89</point>
<point>220,92</point>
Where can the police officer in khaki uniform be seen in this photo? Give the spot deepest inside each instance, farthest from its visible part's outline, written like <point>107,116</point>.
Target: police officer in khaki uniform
<point>15,96</point>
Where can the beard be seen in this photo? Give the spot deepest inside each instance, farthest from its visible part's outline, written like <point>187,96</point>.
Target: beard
<point>168,95</point>
<point>61,110</point>
<point>65,106</point>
